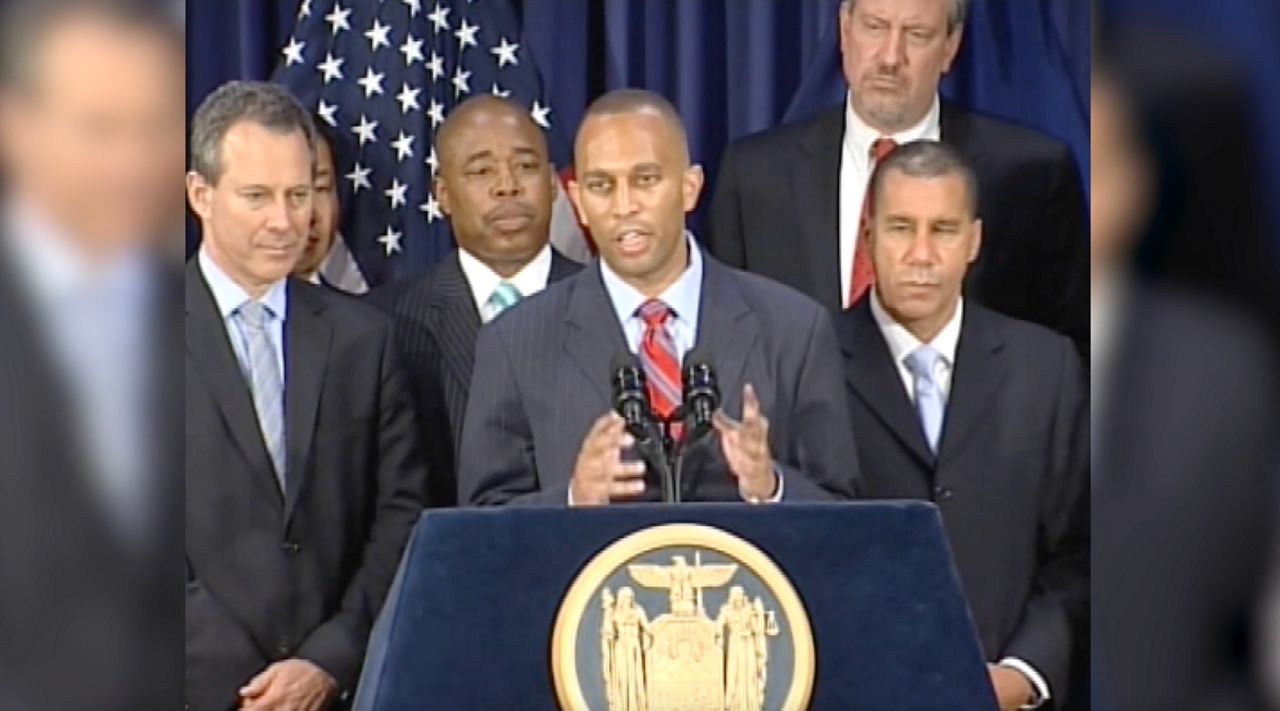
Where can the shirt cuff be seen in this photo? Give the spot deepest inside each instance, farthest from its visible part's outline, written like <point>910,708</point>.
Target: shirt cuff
<point>1038,683</point>
<point>777,494</point>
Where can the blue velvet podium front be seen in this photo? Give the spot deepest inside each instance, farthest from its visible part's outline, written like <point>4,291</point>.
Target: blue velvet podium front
<point>468,623</point>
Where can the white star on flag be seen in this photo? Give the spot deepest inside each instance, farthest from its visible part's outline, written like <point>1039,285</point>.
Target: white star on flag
<point>377,35</point>
<point>460,78</point>
<point>540,113</point>
<point>499,91</point>
<point>412,50</point>
<point>440,19</point>
<point>436,66</point>
<point>328,112</point>
<point>506,53</point>
<point>408,98</point>
<point>436,113</point>
<point>331,67</point>
<point>390,240</point>
<point>404,146</point>
<point>431,208</point>
<point>466,35</point>
<point>432,161</point>
<point>304,10</point>
<point>339,19</point>
<point>293,52</point>
<point>359,178</point>
<point>366,130</point>
<point>396,193</point>
<point>372,82</point>
<point>415,6</point>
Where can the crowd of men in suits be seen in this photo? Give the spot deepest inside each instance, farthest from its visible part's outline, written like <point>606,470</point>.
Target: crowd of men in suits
<point>889,293</point>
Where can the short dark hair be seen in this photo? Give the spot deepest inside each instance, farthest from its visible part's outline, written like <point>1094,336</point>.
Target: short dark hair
<point>26,24</point>
<point>628,101</point>
<point>925,159</point>
<point>263,103</point>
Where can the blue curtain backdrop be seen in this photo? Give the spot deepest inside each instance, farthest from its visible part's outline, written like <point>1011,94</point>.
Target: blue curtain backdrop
<point>732,67</point>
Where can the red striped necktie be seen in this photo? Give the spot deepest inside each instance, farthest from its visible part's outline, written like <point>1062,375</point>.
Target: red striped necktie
<point>658,358</point>
<point>864,273</point>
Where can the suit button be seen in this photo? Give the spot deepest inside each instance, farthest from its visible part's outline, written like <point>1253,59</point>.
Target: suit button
<point>942,493</point>
<point>292,547</point>
<point>283,648</point>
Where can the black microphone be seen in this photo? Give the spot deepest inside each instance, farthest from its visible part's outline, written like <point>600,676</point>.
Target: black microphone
<point>701,394</point>
<point>631,401</point>
<point>629,396</point>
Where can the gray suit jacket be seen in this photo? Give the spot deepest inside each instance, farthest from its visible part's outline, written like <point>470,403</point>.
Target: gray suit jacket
<point>541,378</point>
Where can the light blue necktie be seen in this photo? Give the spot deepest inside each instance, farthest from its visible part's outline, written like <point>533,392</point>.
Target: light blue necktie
<point>265,382</point>
<point>930,405</point>
<point>504,296</point>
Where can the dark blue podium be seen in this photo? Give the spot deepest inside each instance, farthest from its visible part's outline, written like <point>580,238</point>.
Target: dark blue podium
<point>470,619</point>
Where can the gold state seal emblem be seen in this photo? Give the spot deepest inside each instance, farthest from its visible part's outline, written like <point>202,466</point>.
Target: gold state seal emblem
<point>682,617</point>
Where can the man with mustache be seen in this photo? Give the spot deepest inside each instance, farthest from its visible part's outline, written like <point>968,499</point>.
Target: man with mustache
<point>496,185</point>
<point>540,427</point>
<point>789,202</point>
<point>303,477</point>
<point>982,414</point>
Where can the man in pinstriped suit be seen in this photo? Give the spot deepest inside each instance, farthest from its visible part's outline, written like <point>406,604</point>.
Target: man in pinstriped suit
<point>539,429</point>
<point>496,185</point>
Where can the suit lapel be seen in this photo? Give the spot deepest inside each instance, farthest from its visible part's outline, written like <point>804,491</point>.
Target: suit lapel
<point>975,382</point>
<point>727,329</point>
<point>456,319</point>
<point>874,377</point>
<point>306,353</point>
<point>594,335</point>
<point>816,182</point>
<point>561,267</point>
<point>210,349</point>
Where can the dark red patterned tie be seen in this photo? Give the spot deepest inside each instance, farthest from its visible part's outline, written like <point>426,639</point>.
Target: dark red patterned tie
<point>658,358</point>
<point>864,273</point>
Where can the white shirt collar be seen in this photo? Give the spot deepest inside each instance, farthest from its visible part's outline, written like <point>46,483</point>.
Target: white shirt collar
<point>684,296</point>
<point>858,136</point>
<point>230,296</point>
<point>902,342</point>
<point>531,278</point>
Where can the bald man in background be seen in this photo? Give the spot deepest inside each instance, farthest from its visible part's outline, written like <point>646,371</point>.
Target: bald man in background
<point>496,186</point>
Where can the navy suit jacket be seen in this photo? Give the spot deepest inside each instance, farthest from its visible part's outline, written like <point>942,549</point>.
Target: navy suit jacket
<point>1011,477</point>
<point>542,377</point>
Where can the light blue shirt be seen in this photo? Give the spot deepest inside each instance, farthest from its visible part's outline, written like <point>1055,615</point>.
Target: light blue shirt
<point>228,296</point>
<point>684,297</point>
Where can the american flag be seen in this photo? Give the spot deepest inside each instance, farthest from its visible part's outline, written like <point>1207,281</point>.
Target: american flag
<point>383,74</point>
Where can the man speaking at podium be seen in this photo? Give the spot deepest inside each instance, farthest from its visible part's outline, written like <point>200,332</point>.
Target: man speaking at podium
<point>539,427</point>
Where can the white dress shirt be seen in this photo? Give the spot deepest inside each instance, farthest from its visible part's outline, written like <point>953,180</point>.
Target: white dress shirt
<point>229,296</point>
<point>855,173</point>
<point>531,279</point>
<point>684,297</point>
<point>901,343</point>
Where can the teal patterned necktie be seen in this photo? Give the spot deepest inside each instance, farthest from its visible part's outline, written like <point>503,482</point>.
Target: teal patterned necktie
<point>504,296</point>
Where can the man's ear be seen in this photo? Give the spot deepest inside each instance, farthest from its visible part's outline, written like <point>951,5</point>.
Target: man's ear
<point>199,195</point>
